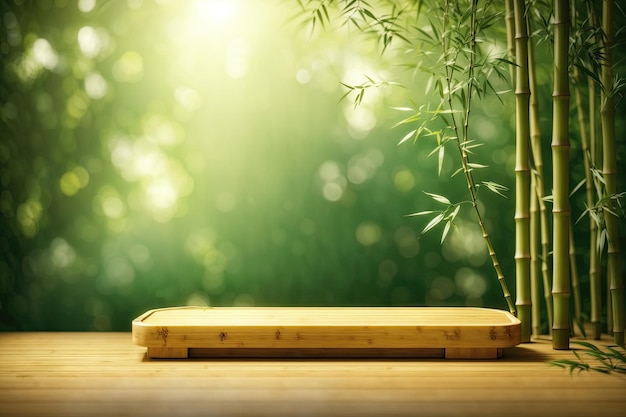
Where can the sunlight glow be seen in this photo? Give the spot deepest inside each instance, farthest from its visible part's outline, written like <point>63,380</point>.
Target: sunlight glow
<point>407,242</point>
<point>96,86</point>
<point>368,233</point>
<point>334,182</point>
<point>129,68</point>
<point>62,253</point>
<point>44,54</point>
<point>403,180</point>
<point>89,42</point>
<point>465,244</point>
<point>28,216</point>
<point>215,12</point>
<point>86,6</point>
<point>237,58</point>
<point>162,194</point>
<point>113,207</point>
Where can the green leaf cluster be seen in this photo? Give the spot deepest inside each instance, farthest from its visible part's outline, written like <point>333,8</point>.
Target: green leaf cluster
<point>604,360</point>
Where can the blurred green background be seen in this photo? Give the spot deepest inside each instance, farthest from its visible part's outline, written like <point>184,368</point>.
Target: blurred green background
<point>163,153</point>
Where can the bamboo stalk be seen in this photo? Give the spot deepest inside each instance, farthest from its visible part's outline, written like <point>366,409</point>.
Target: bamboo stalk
<point>609,172</point>
<point>537,158</point>
<point>522,174</point>
<point>560,156</point>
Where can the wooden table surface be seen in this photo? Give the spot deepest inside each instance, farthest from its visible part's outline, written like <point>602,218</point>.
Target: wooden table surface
<point>104,374</point>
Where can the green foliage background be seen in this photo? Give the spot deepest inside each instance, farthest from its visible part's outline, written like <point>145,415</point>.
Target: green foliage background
<point>161,153</point>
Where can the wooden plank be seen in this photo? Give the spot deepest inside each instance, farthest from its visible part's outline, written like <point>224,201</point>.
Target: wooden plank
<point>104,374</point>
<point>167,352</point>
<point>346,353</point>
<point>298,330</point>
<point>473,353</point>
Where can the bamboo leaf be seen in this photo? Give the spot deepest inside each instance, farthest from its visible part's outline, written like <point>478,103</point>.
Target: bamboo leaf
<point>369,14</point>
<point>583,214</point>
<point>438,198</point>
<point>440,159</point>
<point>345,95</point>
<point>495,187</point>
<point>420,213</point>
<point>588,345</point>
<point>434,222</point>
<point>572,365</point>
<point>408,120</point>
<point>506,61</point>
<point>320,17</point>
<point>429,84</point>
<point>454,213</point>
<point>446,229</point>
<point>325,10</point>
<point>469,145</point>
<point>577,187</point>
<point>617,354</point>
<point>456,172</point>
<point>475,165</point>
<point>601,240</point>
<point>369,79</point>
<point>598,175</point>
<point>408,136</point>
<point>359,98</point>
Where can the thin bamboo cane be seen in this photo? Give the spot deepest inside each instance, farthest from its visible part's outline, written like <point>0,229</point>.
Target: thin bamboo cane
<point>522,173</point>
<point>609,172</point>
<point>596,275</point>
<point>594,280</point>
<point>534,258</point>
<point>572,245</point>
<point>609,307</point>
<point>535,262</point>
<point>574,277</point>
<point>464,155</point>
<point>560,156</point>
<point>509,21</point>
<point>537,158</point>
<point>594,159</point>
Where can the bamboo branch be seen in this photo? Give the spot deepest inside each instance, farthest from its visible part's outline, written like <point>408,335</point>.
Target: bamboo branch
<point>464,156</point>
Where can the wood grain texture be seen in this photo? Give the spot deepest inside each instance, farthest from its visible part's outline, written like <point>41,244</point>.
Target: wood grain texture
<point>105,374</point>
<point>471,332</point>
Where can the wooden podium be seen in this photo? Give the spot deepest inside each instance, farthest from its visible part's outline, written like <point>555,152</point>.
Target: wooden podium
<point>359,332</point>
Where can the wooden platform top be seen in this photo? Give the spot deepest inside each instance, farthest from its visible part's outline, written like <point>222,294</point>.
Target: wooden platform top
<point>328,316</point>
<point>105,374</point>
